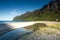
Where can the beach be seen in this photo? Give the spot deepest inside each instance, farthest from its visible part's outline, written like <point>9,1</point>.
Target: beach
<point>15,29</point>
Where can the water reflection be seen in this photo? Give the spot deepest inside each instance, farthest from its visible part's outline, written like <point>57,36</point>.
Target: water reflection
<point>4,28</point>
<point>8,33</point>
<point>13,34</point>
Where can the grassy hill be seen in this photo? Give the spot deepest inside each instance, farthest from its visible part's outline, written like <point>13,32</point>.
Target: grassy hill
<point>50,12</point>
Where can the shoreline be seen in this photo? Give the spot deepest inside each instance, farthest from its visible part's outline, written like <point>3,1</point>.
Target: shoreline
<point>15,25</point>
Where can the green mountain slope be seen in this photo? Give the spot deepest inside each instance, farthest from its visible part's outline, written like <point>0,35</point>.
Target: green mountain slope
<point>50,12</point>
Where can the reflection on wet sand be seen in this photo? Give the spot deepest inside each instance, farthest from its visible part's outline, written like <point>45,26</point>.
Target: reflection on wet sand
<point>4,28</point>
<point>12,35</point>
<point>9,32</point>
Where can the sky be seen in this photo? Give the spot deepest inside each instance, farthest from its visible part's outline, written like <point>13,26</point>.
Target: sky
<point>11,8</point>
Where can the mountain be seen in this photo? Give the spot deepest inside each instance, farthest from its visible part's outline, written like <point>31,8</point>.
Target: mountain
<point>49,12</point>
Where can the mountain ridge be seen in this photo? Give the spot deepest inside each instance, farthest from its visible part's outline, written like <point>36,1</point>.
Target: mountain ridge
<point>49,12</point>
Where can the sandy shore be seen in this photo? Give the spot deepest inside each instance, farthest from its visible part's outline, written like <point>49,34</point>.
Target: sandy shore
<point>14,25</point>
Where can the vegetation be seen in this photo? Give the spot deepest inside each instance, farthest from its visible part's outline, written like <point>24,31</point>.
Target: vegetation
<point>50,12</point>
<point>36,26</point>
<point>44,32</point>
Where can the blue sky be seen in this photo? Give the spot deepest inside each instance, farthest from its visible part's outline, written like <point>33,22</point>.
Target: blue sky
<point>12,8</point>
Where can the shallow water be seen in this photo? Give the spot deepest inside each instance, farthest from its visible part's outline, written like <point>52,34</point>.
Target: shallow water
<point>12,35</point>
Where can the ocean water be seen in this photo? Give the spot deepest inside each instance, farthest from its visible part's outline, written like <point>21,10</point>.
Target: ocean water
<point>2,22</point>
<point>9,21</point>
